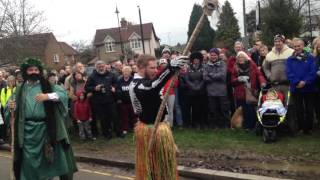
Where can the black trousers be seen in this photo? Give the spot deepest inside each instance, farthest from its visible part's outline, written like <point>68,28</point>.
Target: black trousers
<point>219,113</point>
<point>3,128</point>
<point>317,108</point>
<point>304,110</point>
<point>195,111</point>
<point>107,114</point>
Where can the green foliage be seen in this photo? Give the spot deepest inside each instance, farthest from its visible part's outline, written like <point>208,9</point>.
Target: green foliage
<point>251,21</point>
<point>207,34</point>
<point>228,29</point>
<point>280,17</point>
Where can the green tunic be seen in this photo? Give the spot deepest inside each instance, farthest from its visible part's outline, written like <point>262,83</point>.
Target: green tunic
<point>31,137</point>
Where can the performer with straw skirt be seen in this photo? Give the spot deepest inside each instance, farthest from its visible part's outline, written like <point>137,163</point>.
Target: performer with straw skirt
<point>42,147</point>
<point>155,147</point>
<point>160,162</point>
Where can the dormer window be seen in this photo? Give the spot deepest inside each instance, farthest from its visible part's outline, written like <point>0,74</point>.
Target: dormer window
<point>135,41</point>
<point>109,44</point>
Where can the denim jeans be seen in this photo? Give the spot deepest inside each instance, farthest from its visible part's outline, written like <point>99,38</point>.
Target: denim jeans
<point>178,111</point>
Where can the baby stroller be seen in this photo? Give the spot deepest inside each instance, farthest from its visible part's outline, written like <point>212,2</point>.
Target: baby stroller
<point>271,113</point>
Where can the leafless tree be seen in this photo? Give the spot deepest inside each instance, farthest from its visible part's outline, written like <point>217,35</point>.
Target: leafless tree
<point>3,17</point>
<point>21,18</point>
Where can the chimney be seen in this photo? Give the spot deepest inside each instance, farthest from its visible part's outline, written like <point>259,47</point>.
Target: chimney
<point>124,23</point>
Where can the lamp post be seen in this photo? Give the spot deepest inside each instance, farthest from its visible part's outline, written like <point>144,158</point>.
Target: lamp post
<point>310,21</point>
<point>245,23</point>
<point>141,30</point>
<point>119,28</point>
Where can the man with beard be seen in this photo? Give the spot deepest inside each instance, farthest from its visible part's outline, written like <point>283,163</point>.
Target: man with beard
<point>144,93</point>
<point>42,147</point>
<point>102,85</point>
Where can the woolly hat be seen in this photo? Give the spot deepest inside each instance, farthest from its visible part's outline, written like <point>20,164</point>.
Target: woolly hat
<point>243,54</point>
<point>196,55</point>
<point>215,50</point>
<point>166,49</point>
<point>279,37</point>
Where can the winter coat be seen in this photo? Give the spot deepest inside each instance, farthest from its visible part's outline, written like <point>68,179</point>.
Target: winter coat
<point>274,65</point>
<point>192,82</point>
<point>302,70</point>
<point>215,78</point>
<point>108,80</point>
<point>82,110</point>
<point>317,59</point>
<point>255,76</point>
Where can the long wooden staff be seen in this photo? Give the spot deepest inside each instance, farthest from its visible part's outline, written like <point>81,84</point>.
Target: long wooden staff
<point>12,141</point>
<point>190,43</point>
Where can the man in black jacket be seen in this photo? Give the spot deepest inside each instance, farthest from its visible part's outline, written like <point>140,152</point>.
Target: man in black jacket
<point>102,84</point>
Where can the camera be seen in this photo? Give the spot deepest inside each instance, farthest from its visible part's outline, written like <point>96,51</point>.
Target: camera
<point>103,89</point>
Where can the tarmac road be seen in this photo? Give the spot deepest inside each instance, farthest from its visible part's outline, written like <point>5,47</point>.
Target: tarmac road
<point>86,171</point>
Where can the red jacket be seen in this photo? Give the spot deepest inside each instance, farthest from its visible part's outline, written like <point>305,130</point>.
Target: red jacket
<point>239,88</point>
<point>175,85</point>
<point>230,65</point>
<point>82,110</point>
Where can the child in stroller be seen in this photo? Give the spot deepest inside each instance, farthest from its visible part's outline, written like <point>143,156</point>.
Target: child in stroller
<point>271,112</point>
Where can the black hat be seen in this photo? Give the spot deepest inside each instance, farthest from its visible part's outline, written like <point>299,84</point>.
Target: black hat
<point>196,55</point>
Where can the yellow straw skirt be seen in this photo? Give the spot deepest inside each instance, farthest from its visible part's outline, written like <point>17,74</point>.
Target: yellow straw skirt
<point>161,162</point>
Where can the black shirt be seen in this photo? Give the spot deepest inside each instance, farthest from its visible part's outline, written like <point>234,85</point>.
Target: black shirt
<point>145,95</point>
<point>123,90</point>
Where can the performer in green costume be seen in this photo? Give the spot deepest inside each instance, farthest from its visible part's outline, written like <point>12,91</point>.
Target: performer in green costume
<point>42,147</point>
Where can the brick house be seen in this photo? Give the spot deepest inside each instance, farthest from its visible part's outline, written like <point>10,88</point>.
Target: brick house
<point>71,56</point>
<point>43,46</point>
<point>108,45</point>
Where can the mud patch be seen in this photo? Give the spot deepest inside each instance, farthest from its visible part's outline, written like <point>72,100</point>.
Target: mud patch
<point>250,163</point>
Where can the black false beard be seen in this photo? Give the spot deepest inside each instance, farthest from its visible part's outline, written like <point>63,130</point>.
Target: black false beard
<point>33,77</point>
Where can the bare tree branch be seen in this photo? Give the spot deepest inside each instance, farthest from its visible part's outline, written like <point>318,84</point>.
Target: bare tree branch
<point>23,19</point>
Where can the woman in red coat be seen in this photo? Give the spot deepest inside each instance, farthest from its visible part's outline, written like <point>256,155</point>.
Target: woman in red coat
<point>246,74</point>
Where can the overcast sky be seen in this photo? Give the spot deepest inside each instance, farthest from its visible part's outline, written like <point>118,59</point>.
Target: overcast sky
<point>74,20</point>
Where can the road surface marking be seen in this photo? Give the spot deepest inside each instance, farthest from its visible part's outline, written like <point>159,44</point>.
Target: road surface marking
<point>5,156</point>
<point>91,172</point>
<point>106,174</point>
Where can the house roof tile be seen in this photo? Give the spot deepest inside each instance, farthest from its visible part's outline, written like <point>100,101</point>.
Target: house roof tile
<point>67,49</point>
<point>101,34</point>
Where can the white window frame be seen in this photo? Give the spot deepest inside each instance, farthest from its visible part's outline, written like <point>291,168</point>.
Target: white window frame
<point>109,44</point>
<point>135,43</point>
<point>56,58</point>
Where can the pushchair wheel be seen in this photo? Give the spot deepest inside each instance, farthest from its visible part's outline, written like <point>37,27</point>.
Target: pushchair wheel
<point>269,135</point>
<point>258,129</point>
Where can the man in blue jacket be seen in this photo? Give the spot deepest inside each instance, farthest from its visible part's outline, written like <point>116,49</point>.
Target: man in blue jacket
<point>301,72</point>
